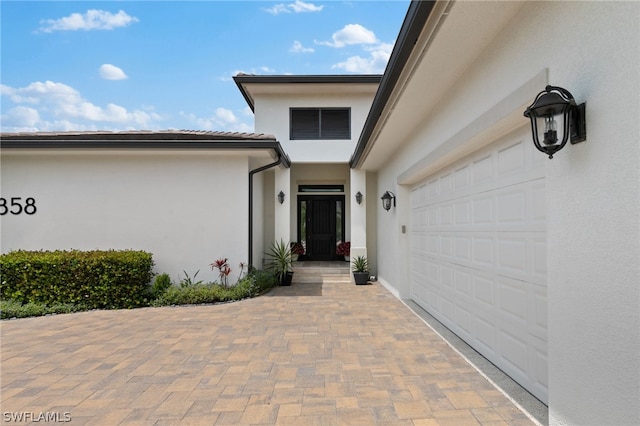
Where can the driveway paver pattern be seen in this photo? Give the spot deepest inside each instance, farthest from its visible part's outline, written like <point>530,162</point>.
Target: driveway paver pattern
<point>323,353</point>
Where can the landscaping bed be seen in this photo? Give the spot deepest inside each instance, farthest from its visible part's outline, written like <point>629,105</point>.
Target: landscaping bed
<point>36,283</point>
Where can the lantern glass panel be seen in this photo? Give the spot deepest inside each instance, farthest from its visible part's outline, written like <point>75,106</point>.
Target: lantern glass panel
<point>550,129</point>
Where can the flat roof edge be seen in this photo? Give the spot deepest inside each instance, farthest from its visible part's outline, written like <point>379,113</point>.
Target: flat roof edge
<point>309,79</point>
<point>242,79</point>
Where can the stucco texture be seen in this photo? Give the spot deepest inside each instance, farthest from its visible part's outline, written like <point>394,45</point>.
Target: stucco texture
<point>593,228</point>
<point>186,209</point>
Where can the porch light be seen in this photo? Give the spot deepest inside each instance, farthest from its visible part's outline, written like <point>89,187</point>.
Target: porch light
<point>555,110</point>
<point>386,200</point>
<point>359,197</point>
<point>281,197</point>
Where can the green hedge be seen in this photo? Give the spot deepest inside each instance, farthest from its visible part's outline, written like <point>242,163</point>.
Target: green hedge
<point>94,279</point>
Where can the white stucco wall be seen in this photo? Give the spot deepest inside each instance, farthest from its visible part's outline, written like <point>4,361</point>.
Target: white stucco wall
<point>282,211</point>
<point>372,203</point>
<point>314,161</point>
<point>272,116</point>
<point>593,50</point>
<point>188,209</point>
<point>269,217</point>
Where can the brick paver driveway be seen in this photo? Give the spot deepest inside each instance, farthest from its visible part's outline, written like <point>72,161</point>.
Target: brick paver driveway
<point>330,353</point>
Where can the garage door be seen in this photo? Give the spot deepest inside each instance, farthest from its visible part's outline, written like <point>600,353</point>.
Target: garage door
<point>478,255</point>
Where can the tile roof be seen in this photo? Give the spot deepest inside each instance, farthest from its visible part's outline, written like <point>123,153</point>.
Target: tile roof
<point>145,139</point>
<point>152,135</point>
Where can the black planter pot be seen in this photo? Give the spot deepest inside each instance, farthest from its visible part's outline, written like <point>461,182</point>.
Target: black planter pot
<point>286,279</point>
<point>361,278</point>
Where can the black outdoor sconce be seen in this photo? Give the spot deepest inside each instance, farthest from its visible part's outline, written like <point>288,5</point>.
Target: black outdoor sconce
<point>555,110</point>
<point>386,200</point>
<point>281,197</point>
<point>359,197</point>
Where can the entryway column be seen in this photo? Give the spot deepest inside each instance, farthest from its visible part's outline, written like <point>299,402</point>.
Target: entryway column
<point>283,211</point>
<point>358,213</point>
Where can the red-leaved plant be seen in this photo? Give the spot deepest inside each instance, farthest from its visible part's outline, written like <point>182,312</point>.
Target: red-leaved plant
<point>222,265</point>
<point>344,249</point>
<point>223,270</point>
<point>297,248</point>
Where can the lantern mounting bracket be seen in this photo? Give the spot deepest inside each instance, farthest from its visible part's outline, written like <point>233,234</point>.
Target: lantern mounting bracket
<point>578,124</point>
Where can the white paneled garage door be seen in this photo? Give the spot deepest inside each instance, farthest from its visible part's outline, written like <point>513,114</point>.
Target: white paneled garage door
<point>478,255</point>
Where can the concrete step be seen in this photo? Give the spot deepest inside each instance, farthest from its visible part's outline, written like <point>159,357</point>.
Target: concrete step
<point>321,272</point>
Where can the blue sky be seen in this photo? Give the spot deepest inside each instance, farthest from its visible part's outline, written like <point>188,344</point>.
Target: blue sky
<point>151,65</point>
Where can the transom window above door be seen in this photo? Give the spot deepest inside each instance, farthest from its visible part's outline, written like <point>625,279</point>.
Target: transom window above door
<point>320,188</point>
<point>320,123</point>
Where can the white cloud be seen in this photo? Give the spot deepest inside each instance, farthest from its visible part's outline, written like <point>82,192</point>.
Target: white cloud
<point>57,106</point>
<point>301,7</point>
<point>375,63</point>
<point>224,115</point>
<point>296,7</point>
<point>299,48</point>
<point>21,117</point>
<point>351,34</point>
<point>223,119</point>
<point>278,9</point>
<point>91,20</point>
<point>111,72</point>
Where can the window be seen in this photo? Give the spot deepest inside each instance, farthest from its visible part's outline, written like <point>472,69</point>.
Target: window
<point>320,123</point>
<point>320,188</point>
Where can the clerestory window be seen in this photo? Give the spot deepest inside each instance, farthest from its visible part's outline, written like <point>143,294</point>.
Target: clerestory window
<point>320,123</point>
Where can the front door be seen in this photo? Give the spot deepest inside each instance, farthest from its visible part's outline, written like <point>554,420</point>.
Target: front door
<point>320,225</point>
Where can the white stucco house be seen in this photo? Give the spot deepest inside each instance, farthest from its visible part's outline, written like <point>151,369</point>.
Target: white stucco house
<point>533,262</point>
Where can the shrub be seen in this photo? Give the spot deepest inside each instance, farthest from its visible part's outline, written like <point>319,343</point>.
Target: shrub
<point>192,294</point>
<point>252,285</point>
<point>161,283</point>
<point>261,281</point>
<point>93,279</point>
<point>14,309</point>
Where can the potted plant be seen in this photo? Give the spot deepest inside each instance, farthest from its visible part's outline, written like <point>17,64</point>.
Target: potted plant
<point>280,262</point>
<point>360,269</point>
<point>297,249</point>
<point>344,249</point>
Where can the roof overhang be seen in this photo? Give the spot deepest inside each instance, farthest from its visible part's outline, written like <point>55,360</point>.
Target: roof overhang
<point>438,42</point>
<point>251,85</point>
<point>145,140</point>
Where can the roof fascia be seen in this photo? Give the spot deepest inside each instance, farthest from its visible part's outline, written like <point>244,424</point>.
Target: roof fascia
<point>413,25</point>
<point>106,144</point>
<point>242,80</point>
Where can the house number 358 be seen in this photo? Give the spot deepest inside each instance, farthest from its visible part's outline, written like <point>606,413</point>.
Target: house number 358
<point>15,205</point>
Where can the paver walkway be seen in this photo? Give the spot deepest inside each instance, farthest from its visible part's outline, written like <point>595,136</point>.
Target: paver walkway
<point>328,353</point>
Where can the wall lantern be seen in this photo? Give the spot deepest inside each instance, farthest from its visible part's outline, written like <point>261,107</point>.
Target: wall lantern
<point>386,200</point>
<point>281,197</point>
<point>555,111</point>
<point>359,197</point>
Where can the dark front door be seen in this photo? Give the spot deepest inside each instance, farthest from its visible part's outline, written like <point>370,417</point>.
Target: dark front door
<point>320,224</point>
